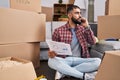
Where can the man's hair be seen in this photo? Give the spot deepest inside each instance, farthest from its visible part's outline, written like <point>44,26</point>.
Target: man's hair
<point>70,8</point>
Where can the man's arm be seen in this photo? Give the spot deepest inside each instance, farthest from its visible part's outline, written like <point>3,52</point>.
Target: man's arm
<point>89,36</point>
<point>55,36</point>
<point>52,54</point>
<point>88,32</point>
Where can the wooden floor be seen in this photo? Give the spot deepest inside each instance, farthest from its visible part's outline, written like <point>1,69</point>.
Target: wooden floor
<point>48,72</point>
<point>45,70</point>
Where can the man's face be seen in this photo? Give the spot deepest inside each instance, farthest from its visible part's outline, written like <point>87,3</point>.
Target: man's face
<point>76,16</point>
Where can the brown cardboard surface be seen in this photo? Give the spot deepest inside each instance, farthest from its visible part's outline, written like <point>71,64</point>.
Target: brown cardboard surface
<point>109,27</point>
<point>20,72</point>
<point>110,66</point>
<point>49,12</point>
<point>21,26</point>
<point>106,7</point>
<point>113,7</point>
<point>71,1</point>
<point>28,51</point>
<point>30,5</point>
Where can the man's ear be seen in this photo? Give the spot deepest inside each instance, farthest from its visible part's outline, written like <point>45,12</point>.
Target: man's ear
<point>69,15</point>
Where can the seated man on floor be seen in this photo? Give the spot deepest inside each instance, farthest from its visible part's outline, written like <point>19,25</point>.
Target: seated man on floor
<point>78,34</point>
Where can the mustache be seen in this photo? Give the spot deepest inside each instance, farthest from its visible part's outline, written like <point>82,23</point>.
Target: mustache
<point>76,21</point>
<point>79,18</point>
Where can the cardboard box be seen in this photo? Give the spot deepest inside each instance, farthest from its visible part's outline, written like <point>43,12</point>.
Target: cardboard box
<point>23,71</point>
<point>106,7</point>
<point>109,27</point>
<point>49,12</point>
<point>112,7</point>
<point>71,1</point>
<point>30,5</point>
<point>21,26</point>
<point>28,51</point>
<point>110,66</point>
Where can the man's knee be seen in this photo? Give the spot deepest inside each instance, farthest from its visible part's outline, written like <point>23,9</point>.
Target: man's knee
<point>53,63</point>
<point>97,62</point>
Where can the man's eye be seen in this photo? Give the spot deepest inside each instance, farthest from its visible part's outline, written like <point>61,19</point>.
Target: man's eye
<point>77,12</point>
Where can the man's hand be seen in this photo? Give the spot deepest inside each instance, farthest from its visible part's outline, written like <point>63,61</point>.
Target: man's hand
<point>84,22</point>
<point>51,54</point>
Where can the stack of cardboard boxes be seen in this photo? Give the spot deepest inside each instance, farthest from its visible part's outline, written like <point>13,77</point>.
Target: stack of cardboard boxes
<point>108,27</point>
<point>112,7</point>
<point>22,28</point>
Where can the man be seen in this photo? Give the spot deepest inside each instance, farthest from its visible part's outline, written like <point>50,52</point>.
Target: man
<point>78,34</point>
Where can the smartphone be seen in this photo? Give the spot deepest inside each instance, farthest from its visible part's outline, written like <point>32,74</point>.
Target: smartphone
<point>83,20</point>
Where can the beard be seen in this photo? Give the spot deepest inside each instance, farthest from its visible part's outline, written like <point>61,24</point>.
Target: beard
<point>76,21</point>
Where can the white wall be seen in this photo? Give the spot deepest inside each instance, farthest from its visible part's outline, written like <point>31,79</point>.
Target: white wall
<point>4,3</point>
<point>83,4</point>
<point>99,9</point>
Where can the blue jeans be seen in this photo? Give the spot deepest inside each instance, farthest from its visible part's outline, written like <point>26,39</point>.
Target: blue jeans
<point>74,66</point>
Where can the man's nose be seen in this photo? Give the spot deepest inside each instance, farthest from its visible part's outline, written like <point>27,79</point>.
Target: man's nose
<point>80,17</point>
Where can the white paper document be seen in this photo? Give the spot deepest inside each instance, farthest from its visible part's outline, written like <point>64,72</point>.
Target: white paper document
<point>59,47</point>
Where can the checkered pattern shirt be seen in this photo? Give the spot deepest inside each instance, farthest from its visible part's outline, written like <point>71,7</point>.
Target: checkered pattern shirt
<point>84,35</point>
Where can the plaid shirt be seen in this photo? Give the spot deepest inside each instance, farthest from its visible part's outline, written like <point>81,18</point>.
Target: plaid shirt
<point>85,37</point>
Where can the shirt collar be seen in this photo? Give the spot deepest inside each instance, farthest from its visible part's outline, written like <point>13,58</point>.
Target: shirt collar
<point>68,26</point>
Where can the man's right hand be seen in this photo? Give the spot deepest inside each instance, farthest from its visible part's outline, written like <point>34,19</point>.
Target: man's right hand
<point>51,54</point>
